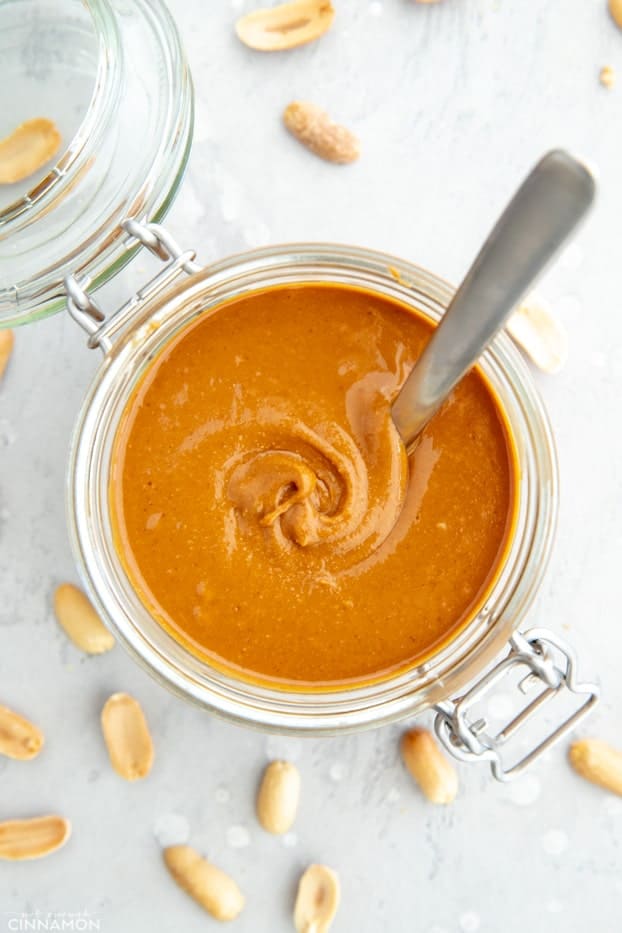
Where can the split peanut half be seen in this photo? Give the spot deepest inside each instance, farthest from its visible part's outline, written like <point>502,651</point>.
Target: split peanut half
<point>19,738</point>
<point>34,838</point>
<point>7,340</point>
<point>314,129</point>
<point>317,900</point>
<point>275,29</point>
<point>210,887</point>
<point>127,737</point>
<point>539,334</point>
<point>615,8</point>
<point>278,797</point>
<point>80,621</point>
<point>433,772</point>
<point>598,762</point>
<point>27,148</point>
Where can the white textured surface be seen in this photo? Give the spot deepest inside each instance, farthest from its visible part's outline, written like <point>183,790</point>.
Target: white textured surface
<point>452,103</point>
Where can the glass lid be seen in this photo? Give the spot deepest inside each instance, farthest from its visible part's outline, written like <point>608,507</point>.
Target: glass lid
<point>96,128</point>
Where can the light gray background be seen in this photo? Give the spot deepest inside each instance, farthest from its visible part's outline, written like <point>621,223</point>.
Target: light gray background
<point>452,103</point>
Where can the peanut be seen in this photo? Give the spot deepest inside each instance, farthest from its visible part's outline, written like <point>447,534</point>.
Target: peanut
<point>76,615</point>
<point>127,737</point>
<point>314,129</point>
<point>317,900</point>
<point>27,148</point>
<point>539,334</point>
<point>210,887</point>
<point>7,339</point>
<point>607,76</point>
<point>278,797</point>
<point>597,762</point>
<point>19,738</point>
<point>434,773</point>
<point>615,8</point>
<point>28,839</point>
<point>286,26</point>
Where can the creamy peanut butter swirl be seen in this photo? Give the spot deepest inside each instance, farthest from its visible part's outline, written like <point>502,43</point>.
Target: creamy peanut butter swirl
<point>322,486</point>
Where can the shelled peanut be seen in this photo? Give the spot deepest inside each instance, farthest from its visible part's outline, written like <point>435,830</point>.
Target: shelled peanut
<point>615,8</point>
<point>7,341</point>
<point>208,885</point>
<point>432,771</point>
<point>275,29</point>
<point>278,797</point>
<point>27,148</point>
<point>19,738</point>
<point>312,126</point>
<point>33,838</point>
<point>597,762</point>
<point>78,618</point>
<point>317,900</point>
<point>127,737</point>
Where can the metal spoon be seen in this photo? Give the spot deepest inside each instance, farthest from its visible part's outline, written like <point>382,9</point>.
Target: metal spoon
<point>544,211</point>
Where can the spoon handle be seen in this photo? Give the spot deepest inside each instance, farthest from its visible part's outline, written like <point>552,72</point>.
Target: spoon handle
<point>541,215</point>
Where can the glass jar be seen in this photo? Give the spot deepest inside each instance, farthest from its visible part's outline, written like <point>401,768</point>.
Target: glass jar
<point>113,77</point>
<point>137,333</point>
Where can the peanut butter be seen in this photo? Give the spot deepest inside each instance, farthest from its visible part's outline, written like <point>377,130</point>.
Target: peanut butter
<point>264,506</point>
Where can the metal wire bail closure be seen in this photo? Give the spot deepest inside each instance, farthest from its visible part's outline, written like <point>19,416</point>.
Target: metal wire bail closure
<point>550,663</point>
<point>86,312</point>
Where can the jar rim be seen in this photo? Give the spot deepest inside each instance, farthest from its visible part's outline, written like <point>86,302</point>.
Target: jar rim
<point>326,711</point>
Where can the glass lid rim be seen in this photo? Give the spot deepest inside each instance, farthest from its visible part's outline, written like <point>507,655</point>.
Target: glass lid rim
<point>102,251</point>
<point>77,151</point>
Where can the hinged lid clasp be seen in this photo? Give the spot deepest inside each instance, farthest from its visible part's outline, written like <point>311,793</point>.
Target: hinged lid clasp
<point>84,309</point>
<point>550,663</point>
